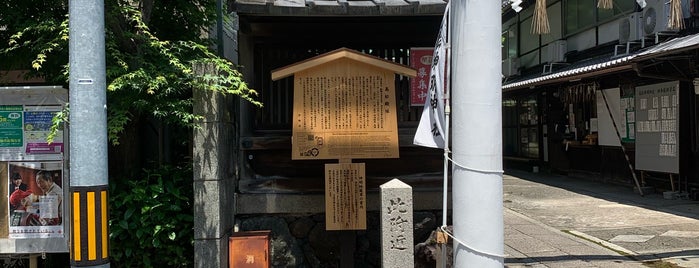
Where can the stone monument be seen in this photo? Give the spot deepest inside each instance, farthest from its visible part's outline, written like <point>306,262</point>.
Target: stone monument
<point>396,224</point>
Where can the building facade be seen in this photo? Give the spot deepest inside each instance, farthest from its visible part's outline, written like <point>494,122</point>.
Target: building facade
<point>562,89</point>
<point>245,178</point>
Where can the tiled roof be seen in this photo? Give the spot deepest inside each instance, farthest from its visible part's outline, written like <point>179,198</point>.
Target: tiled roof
<point>606,64</point>
<point>340,7</point>
<point>585,68</point>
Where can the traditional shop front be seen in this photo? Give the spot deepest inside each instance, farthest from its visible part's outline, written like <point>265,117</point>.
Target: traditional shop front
<point>629,119</point>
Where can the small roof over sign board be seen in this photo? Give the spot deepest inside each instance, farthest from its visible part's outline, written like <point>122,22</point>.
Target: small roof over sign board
<point>338,54</point>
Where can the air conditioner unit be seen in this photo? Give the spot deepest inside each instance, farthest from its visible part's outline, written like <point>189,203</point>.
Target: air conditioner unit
<point>510,67</point>
<point>656,16</point>
<point>555,51</point>
<point>630,28</point>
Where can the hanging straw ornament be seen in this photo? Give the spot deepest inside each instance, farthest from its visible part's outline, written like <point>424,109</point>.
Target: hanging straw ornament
<point>540,22</point>
<point>676,22</point>
<point>605,4</point>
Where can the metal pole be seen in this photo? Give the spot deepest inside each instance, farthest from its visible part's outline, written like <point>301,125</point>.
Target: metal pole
<point>477,134</point>
<point>447,120</point>
<point>89,234</point>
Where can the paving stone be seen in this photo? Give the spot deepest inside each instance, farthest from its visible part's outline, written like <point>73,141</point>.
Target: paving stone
<point>685,234</point>
<point>631,238</point>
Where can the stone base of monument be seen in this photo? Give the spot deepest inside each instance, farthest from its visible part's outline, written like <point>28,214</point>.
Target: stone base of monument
<point>429,253</point>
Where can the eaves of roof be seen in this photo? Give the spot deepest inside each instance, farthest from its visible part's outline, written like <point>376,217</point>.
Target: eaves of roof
<point>606,65</point>
<point>340,7</point>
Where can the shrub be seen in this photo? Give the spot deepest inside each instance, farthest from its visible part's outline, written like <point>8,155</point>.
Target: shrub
<point>151,222</point>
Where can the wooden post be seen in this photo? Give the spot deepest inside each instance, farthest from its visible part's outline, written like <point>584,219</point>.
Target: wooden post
<point>34,261</point>
<point>672,182</point>
<point>348,237</point>
<point>348,243</point>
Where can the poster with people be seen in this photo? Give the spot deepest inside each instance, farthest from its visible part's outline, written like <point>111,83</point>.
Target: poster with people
<point>35,199</point>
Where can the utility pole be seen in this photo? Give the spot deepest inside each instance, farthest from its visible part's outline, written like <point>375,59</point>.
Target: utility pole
<point>89,234</point>
<point>477,134</point>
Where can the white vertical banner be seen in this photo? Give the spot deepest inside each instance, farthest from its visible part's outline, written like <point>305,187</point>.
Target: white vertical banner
<point>430,131</point>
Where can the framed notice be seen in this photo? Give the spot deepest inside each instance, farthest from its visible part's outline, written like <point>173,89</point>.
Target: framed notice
<point>345,196</point>
<point>657,127</point>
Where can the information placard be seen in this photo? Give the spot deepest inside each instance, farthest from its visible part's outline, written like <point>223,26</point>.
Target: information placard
<point>345,196</point>
<point>657,127</point>
<point>344,109</point>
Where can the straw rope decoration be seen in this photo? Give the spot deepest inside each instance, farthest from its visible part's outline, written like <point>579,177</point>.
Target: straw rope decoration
<point>676,21</point>
<point>540,22</point>
<point>605,4</point>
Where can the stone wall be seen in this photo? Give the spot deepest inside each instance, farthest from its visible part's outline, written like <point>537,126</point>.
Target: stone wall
<point>302,241</point>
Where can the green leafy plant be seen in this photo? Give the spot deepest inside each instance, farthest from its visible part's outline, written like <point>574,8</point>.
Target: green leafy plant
<point>151,222</point>
<point>151,50</point>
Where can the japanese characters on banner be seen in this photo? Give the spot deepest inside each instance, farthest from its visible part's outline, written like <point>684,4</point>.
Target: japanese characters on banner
<point>421,61</point>
<point>32,167</point>
<point>431,129</point>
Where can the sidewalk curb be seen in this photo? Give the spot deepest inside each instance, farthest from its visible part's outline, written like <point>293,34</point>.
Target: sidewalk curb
<point>604,243</point>
<point>575,234</point>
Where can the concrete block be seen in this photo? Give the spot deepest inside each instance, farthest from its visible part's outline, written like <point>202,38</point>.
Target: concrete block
<point>211,253</point>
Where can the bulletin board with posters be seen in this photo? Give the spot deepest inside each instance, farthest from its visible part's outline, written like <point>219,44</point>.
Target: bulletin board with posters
<point>34,171</point>
<point>657,127</point>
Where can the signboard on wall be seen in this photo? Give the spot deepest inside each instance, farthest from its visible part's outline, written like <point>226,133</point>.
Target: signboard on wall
<point>344,109</point>
<point>657,127</point>
<point>420,60</point>
<point>32,212</point>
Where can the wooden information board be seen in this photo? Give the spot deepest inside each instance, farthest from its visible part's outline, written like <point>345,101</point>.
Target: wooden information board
<point>345,196</point>
<point>344,109</point>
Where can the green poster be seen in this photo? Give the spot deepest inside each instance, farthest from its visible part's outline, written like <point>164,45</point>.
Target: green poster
<point>11,126</point>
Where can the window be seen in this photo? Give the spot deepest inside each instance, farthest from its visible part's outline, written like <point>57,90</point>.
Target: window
<point>509,127</point>
<point>579,15</point>
<point>529,128</point>
<point>520,127</point>
<point>620,7</point>
<point>529,41</point>
<point>582,14</point>
<point>509,42</point>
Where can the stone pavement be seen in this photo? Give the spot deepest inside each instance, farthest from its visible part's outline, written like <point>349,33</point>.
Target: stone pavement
<point>556,221</point>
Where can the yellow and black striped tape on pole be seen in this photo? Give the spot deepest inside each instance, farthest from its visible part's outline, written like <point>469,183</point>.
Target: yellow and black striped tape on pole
<point>89,224</point>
